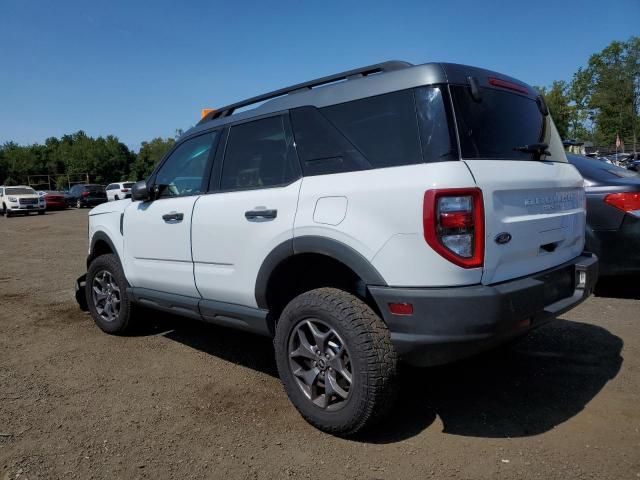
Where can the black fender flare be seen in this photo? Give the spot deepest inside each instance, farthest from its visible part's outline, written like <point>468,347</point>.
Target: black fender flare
<point>314,244</point>
<point>97,237</point>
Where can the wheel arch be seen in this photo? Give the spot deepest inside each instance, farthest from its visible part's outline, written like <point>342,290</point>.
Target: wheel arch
<point>101,244</point>
<point>338,257</point>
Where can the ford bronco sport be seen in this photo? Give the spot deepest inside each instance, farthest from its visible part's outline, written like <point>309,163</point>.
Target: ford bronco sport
<point>394,212</point>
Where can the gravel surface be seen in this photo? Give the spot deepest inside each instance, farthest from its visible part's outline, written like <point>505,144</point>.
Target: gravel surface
<point>187,400</point>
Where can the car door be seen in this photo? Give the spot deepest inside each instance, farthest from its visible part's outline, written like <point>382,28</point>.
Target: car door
<point>249,212</point>
<point>157,233</point>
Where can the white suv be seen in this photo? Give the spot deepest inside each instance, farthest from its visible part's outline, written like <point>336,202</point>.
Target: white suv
<point>119,191</point>
<point>21,199</point>
<point>422,213</point>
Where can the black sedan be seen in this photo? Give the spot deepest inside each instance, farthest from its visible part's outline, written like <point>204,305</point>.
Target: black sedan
<point>86,195</point>
<point>613,215</point>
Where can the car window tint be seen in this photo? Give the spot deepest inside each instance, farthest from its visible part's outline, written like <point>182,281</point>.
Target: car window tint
<point>258,155</point>
<point>383,128</point>
<point>182,173</point>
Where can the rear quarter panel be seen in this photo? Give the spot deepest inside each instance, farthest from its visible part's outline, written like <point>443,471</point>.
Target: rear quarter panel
<point>382,219</point>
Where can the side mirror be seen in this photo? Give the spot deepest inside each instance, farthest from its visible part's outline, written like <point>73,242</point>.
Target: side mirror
<point>139,191</point>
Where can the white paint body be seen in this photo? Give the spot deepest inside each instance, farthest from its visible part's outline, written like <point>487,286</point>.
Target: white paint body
<point>215,252</point>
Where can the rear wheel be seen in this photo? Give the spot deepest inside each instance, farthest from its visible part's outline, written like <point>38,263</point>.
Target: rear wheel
<point>117,198</point>
<point>106,293</point>
<point>335,360</point>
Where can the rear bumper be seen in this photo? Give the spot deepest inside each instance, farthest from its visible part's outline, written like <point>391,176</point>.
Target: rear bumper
<point>618,250</point>
<point>452,323</point>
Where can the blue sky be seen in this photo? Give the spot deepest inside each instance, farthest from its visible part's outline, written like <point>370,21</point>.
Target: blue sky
<point>139,70</point>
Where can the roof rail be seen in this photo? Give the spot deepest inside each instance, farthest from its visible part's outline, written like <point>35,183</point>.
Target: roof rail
<point>388,66</point>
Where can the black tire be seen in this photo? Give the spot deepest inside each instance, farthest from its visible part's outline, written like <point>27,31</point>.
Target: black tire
<point>6,211</point>
<point>372,360</point>
<point>116,197</point>
<point>121,323</point>
<point>41,212</point>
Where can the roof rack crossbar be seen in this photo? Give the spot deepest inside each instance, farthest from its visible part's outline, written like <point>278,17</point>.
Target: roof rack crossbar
<point>356,73</point>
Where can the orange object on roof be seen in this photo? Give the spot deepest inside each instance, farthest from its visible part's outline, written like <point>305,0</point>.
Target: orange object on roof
<point>206,111</point>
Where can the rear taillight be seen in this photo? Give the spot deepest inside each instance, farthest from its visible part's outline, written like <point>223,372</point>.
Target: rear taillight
<point>124,190</point>
<point>626,201</point>
<point>453,221</point>
<point>85,194</point>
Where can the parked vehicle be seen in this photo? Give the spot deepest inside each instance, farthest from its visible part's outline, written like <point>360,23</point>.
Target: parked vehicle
<point>613,215</point>
<point>53,200</point>
<point>356,223</point>
<point>20,199</point>
<point>86,195</point>
<point>119,191</point>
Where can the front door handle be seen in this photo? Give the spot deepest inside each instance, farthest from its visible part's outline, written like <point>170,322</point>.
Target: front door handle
<point>261,214</point>
<point>173,217</point>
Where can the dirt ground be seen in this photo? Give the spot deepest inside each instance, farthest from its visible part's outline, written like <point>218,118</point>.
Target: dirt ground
<point>187,400</point>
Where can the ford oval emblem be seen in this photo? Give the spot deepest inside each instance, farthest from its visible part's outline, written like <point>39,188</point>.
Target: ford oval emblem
<point>503,238</point>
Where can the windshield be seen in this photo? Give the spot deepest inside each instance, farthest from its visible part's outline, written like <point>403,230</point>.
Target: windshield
<point>20,191</point>
<point>503,125</point>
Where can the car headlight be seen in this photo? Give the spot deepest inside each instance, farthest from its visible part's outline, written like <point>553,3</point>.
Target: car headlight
<point>13,199</point>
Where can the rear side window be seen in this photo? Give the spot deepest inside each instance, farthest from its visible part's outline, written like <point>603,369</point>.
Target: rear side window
<point>382,128</point>
<point>395,129</point>
<point>258,155</point>
<point>500,123</point>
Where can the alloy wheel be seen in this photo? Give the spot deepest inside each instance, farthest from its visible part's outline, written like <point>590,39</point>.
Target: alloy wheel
<point>106,295</point>
<point>320,362</point>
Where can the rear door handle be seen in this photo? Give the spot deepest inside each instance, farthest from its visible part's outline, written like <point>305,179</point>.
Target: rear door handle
<point>261,214</point>
<point>173,217</point>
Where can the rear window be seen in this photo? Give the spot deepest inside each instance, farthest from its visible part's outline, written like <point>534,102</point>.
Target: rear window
<point>127,185</point>
<point>20,191</point>
<point>499,123</point>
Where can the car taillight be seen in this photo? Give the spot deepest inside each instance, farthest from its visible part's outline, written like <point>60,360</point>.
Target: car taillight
<point>124,190</point>
<point>85,194</point>
<point>626,201</point>
<point>453,221</point>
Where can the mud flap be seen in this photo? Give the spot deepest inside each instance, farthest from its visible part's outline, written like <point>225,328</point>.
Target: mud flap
<point>81,295</point>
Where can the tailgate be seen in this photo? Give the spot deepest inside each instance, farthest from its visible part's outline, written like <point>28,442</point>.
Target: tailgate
<point>541,205</point>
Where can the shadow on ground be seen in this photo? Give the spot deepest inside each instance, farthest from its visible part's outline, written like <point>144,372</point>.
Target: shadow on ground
<point>623,286</point>
<point>524,389</point>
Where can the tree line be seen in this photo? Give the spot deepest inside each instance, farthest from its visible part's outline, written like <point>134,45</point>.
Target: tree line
<point>104,159</point>
<point>601,102</point>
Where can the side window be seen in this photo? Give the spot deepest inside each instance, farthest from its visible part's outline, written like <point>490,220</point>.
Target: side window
<point>110,187</point>
<point>258,155</point>
<point>384,128</point>
<point>321,147</point>
<point>182,173</point>
<point>373,132</point>
<point>436,131</point>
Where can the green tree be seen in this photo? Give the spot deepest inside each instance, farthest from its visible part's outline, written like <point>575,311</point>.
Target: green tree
<point>613,92</point>
<point>557,99</point>
<point>149,155</point>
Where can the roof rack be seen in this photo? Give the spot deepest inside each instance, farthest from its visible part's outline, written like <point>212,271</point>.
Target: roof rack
<point>388,66</point>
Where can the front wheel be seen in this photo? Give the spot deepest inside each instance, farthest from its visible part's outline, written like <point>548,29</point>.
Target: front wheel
<point>106,293</point>
<point>335,360</point>
<point>41,212</point>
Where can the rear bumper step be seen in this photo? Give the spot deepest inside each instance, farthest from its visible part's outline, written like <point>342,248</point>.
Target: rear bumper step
<point>452,323</point>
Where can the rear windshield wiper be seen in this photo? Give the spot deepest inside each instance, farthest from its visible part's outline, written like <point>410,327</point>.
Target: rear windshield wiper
<point>538,148</point>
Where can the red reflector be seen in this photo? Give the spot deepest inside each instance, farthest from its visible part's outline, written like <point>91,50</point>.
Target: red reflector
<point>85,194</point>
<point>456,220</point>
<point>496,82</point>
<point>124,190</point>
<point>401,308</point>
<point>626,201</point>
